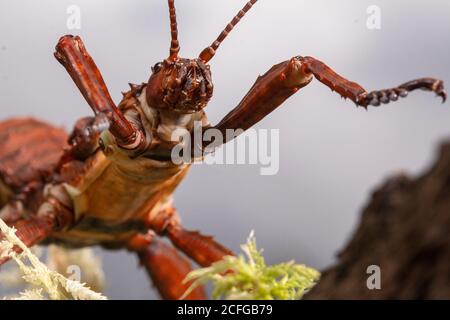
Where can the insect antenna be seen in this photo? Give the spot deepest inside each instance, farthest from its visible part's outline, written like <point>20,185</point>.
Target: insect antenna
<point>209,52</point>
<point>174,45</point>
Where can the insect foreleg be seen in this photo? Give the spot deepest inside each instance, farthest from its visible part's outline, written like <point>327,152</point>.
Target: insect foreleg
<point>204,250</point>
<point>286,78</point>
<point>359,95</point>
<point>166,267</point>
<point>268,93</point>
<point>71,53</point>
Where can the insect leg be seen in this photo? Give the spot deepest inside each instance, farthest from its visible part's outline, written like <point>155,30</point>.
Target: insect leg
<point>52,216</point>
<point>286,78</point>
<point>269,92</point>
<point>165,266</point>
<point>71,53</point>
<point>30,232</point>
<point>359,95</point>
<point>204,250</point>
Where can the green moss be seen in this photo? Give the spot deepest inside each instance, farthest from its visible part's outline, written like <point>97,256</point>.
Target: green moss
<point>248,277</point>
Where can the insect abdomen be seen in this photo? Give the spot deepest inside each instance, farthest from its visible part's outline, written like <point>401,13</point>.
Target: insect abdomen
<point>28,149</point>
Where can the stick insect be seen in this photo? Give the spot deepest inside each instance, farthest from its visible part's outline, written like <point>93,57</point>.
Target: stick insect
<point>110,182</point>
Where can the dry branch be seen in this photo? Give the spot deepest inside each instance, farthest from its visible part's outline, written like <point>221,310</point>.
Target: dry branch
<point>405,230</point>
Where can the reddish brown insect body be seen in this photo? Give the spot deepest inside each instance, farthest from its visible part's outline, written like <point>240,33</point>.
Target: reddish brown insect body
<point>111,183</point>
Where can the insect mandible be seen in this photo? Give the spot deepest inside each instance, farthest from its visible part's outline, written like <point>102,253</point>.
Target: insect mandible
<point>110,182</point>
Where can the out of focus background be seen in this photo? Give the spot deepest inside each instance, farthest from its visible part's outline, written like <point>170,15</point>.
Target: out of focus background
<point>331,154</point>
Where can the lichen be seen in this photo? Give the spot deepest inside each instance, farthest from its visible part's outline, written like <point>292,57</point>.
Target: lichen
<point>46,283</point>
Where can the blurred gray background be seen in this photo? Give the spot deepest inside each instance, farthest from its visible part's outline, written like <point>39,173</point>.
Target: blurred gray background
<point>331,154</point>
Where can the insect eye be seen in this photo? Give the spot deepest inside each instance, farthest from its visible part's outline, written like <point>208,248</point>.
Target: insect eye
<point>157,67</point>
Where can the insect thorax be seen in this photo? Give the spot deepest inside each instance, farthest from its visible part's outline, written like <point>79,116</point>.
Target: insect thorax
<point>119,193</point>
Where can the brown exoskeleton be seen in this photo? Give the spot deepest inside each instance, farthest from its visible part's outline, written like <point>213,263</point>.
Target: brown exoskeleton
<point>111,183</point>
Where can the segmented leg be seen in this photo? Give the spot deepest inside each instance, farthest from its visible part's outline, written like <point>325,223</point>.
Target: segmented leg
<point>166,267</point>
<point>71,53</point>
<point>359,95</point>
<point>31,232</point>
<point>286,78</point>
<point>34,228</point>
<point>204,250</point>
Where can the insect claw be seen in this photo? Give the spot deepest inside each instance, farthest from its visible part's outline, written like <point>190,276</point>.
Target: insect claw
<point>441,93</point>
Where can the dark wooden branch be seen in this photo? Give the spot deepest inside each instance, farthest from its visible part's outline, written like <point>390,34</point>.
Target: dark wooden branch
<point>405,230</point>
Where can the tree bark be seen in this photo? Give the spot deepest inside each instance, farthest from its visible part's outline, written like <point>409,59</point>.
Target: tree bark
<point>405,231</point>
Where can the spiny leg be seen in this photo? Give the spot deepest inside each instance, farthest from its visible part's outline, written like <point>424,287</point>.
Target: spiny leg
<point>204,250</point>
<point>166,267</point>
<point>286,78</point>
